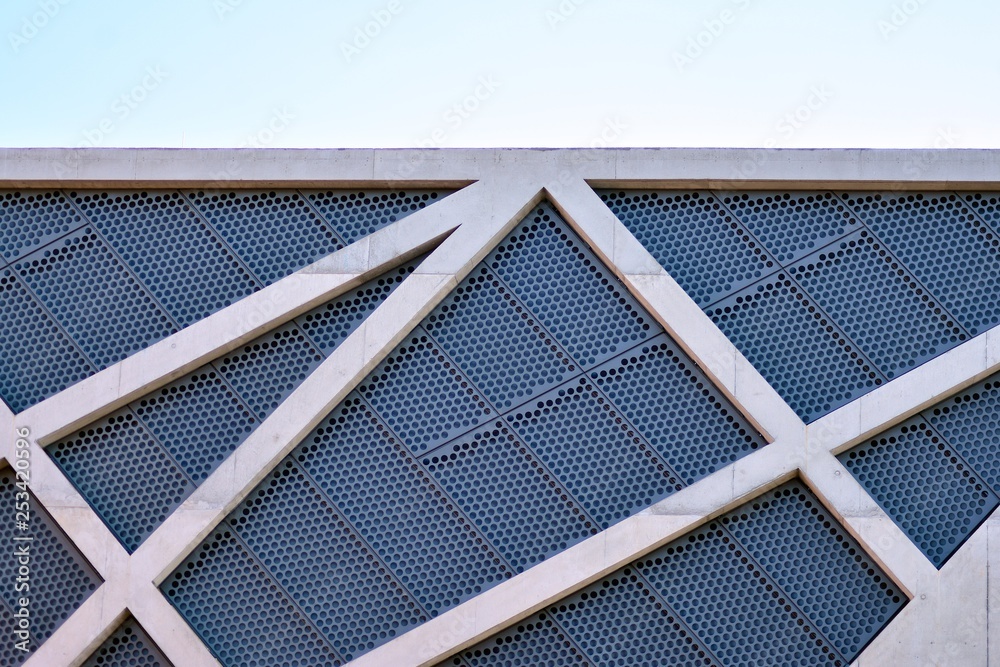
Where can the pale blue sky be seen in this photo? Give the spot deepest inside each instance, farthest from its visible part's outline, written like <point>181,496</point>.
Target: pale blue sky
<point>207,73</point>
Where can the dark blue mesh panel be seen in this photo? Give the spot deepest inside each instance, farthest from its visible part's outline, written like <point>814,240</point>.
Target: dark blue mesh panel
<point>124,473</point>
<point>987,206</point>
<point>534,641</point>
<point>732,605</point>
<point>10,654</point>
<point>970,422</point>
<point>330,324</point>
<point>876,302</point>
<point>502,487</point>
<point>266,370</point>
<point>568,290</point>
<point>807,360</point>
<point>129,646</point>
<point>323,564</point>
<point>240,612</point>
<point>818,564</point>
<point>677,409</point>
<point>355,214</point>
<point>60,579</point>
<point>791,225</point>
<point>177,256</point>
<point>497,342</point>
<point>38,358</point>
<point>601,460</point>
<point>274,233</point>
<point>199,419</point>
<point>947,247</point>
<point>398,508</point>
<point>619,621</point>
<point>95,297</point>
<point>422,395</point>
<point>29,220</point>
<point>694,238</point>
<point>923,485</point>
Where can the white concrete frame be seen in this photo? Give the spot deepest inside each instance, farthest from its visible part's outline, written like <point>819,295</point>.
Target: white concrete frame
<point>947,619</point>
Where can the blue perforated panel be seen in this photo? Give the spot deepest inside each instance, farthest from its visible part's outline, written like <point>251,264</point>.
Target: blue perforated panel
<point>535,641</point>
<point>620,621</point>
<point>676,408</point>
<point>694,238</point>
<point>398,508</point>
<point>180,258</point>
<point>124,473</point>
<point>987,206</point>
<point>355,214</point>
<point>523,510</point>
<point>924,486</point>
<point>877,303</point>
<point>496,341</point>
<point>129,646</point>
<point>422,396</point>
<point>240,611</point>
<point>732,605</point>
<point>607,466</point>
<point>795,347</point>
<point>95,297</point>
<point>945,245</point>
<point>970,422</point>
<point>323,564</point>
<point>38,358</point>
<point>818,564</point>
<point>274,233</point>
<point>29,220</point>
<point>791,225</point>
<point>198,419</point>
<point>59,579</point>
<point>577,299</point>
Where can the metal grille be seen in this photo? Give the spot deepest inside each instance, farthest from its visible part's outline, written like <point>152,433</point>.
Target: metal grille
<point>129,646</point>
<point>29,220</point>
<point>970,423</point>
<point>535,641</point>
<point>359,213</point>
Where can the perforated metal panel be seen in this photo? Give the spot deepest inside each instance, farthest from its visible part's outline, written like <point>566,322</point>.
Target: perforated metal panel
<point>568,290</point>
<point>199,419</point>
<point>791,225</point>
<point>30,219</point>
<point>266,370</point>
<point>945,245</point>
<point>180,258</point>
<point>398,509</point>
<point>494,338</point>
<point>240,612</point>
<point>129,646</point>
<point>927,489</point>
<point>603,462</point>
<point>423,396</point>
<point>60,578</point>
<point>38,358</point>
<point>523,510</point>
<point>676,408</point>
<point>355,214</point>
<point>732,605</point>
<point>970,423</point>
<point>694,238</point>
<point>537,640</point>
<point>620,621</point>
<point>807,360</point>
<point>818,564</point>
<point>322,563</point>
<point>274,232</point>
<point>126,475</point>
<point>96,299</point>
<point>876,302</point>
<point>986,205</point>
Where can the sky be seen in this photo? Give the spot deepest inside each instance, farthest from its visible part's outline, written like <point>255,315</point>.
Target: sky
<point>549,73</point>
